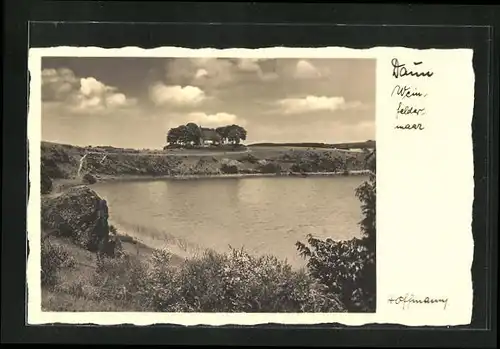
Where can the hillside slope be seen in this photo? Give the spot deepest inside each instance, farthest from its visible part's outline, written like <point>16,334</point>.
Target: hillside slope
<point>67,164</point>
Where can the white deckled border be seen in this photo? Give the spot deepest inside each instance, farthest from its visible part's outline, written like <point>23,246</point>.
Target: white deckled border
<point>424,192</point>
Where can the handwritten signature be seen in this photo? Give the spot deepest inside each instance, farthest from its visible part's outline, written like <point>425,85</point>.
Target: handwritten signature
<point>409,299</point>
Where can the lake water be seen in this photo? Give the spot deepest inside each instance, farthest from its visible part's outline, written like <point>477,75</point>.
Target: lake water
<point>265,215</point>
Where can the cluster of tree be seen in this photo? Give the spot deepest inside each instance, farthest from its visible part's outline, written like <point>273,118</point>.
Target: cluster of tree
<point>189,134</point>
<point>193,134</point>
<point>233,134</point>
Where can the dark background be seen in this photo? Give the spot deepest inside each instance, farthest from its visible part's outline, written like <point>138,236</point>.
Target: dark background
<point>223,25</point>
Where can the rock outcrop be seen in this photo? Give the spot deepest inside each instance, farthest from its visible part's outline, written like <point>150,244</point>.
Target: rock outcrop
<point>74,214</point>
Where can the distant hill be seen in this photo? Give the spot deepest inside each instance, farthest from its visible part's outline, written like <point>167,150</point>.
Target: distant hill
<point>370,144</point>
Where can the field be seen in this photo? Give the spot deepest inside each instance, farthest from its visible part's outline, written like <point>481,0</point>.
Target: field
<point>346,146</point>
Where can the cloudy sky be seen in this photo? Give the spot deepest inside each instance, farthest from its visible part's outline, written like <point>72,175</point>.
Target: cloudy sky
<point>133,102</point>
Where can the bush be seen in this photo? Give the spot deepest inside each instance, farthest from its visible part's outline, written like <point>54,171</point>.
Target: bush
<point>301,167</point>
<point>267,284</point>
<point>250,158</point>
<point>248,171</point>
<point>89,179</point>
<point>57,160</point>
<point>270,167</point>
<point>53,258</point>
<point>229,169</point>
<point>112,247</point>
<point>212,282</point>
<point>233,282</point>
<point>311,161</point>
<point>344,268</point>
<point>120,279</point>
<point>46,183</point>
<point>113,230</point>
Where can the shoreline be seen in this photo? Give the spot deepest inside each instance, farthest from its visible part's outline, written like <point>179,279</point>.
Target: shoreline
<point>66,166</point>
<point>138,243</point>
<point>61,185</point>
<point>116,178</point>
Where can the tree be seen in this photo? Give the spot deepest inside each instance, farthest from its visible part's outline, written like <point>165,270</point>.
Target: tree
<point>242,132</point>
<point>194,133</point>
<point>184,135</point>
<point>223,133</point>
<point>233,136</point>
<point>191,133</point>
<point>173,135</point>
<point>347,268</point>
<point>179,135</point>
<point>367,194</point>
<point>235,133</point>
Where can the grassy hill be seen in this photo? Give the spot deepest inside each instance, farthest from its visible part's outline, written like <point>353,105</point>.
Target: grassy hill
<point>352,145</point>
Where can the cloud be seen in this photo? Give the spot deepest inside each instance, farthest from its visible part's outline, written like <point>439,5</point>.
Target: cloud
<point>210,72</point>
<point>248,64</point>
<point>270,76</point>
<point>214,120</point>
<point>328,131</point>
<point>92,87</point>
<point>57,84</point>
<point>117,100</point>
<point>252,65</point>
<point>201,73</point>
<point>81,94</point>
<point>87,103</point>
<point>305,70</point>
<point>218,71</point>
<point>94,95</point>
<point>315,103</point>
<point>177,95</point>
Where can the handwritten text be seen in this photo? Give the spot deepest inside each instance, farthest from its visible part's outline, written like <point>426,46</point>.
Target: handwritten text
<point>409,299</point>
<point>400,70</point>
<point>410,98</point>
<point>406,91</point>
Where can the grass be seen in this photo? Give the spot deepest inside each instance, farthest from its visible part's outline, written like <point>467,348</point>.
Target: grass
<point>350,145</point>
<point>210,282</point>
<point>55,257</point>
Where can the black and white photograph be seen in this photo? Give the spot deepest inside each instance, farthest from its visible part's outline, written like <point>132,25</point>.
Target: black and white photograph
<point>208,184</point>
